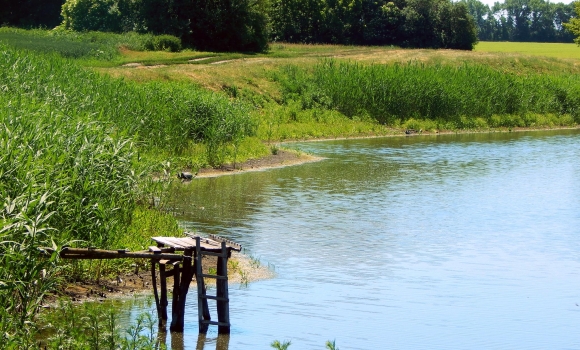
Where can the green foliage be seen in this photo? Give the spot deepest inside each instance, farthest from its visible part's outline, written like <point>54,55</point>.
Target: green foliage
<point>574,24</point>
<point>396,93</point>
<point>522,20</point>
<point>78,45</point>
<point>161,116</point>
<point>331,345</point>
<point>164,43</point>
<point>412,23</point>
<point>97,15</point>
<point>280,346</point>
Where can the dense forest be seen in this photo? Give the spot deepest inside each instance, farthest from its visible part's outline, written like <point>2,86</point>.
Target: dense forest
<point>248,25</point>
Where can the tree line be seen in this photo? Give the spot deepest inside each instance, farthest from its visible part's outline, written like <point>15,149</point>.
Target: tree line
<point>248,25</point>
<point>522,20</point>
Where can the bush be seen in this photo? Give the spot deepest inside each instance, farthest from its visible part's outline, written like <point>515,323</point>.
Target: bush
<point>163,43</point>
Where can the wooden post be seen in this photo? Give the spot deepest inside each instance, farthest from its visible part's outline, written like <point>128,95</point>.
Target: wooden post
<point>163,299</point>
<point>178,319</point>
<point>176,290</point>
<point>202,306</point>
<point>162,313</point>
<point>223,307</point>
<point>154,283</point>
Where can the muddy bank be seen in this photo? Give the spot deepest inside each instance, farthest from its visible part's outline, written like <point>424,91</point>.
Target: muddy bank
<point>282,158</point>
<point>241,270</point>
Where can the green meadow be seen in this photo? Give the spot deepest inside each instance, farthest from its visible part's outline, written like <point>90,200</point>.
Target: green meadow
<point>558,50</point>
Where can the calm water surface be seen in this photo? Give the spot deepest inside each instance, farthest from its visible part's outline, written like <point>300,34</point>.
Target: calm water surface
<point>429,242</point>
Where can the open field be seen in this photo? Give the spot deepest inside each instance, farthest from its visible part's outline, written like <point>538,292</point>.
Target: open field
<point>558,50</point>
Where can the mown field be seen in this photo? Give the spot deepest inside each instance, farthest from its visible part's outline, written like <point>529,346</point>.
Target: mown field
<point>90,123</point>
<point>558,50</point>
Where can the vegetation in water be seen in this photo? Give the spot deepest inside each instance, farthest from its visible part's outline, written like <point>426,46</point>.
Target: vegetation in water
<point>95,326</point>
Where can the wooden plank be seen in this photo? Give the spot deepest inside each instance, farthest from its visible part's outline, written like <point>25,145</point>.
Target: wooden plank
<point>176,242</point>
<point>154,250</point>
<point>230,244</point>
<point>164,240</point>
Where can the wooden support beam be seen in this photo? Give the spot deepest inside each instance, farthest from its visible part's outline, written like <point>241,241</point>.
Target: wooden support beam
<point>222,295</point>
<point>177,321</point>
<point>163,297</point>
<point>80,253</point>
<point>202,306</point>
<point>154,283</point>
<point>175,312</point>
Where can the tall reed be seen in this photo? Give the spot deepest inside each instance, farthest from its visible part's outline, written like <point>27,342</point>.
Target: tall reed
<point>70,169</point>
<point>157,115</point>
<point>395,93</point>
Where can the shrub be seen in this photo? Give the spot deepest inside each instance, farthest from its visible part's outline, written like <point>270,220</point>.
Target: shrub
<point>163,43</point>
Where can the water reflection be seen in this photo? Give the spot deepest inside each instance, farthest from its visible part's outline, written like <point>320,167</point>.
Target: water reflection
<point>222,342</point>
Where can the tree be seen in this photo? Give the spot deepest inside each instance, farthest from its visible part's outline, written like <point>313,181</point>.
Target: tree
<point>98,15</point>
<point>574,24</point>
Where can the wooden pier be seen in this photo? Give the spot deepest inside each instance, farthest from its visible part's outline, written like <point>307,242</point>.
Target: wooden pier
<point>180,258</point>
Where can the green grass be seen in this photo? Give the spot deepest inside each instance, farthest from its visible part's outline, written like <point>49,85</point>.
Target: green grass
<point>465,97</point>
<point>558,50</point>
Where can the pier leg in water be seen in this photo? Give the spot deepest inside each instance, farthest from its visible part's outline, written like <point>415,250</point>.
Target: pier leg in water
<point>223,307</point>
<point>177,321</point>
<point>163,297</point>
<point>154,283</point>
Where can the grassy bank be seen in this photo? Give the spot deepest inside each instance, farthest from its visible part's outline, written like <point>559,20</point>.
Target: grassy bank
<point>76,153</point>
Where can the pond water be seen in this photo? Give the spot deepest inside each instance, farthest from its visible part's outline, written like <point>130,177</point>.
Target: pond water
<point>427,242</point>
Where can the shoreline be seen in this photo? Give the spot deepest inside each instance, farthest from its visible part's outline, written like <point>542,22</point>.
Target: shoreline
<point>247,270</point>
<point>242,270</point>
<point>287,157</point>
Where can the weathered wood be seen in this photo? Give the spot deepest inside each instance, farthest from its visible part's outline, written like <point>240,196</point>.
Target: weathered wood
<point>175,312</point>
<point>154,283</point>
<point>202,306</point>
<point>217,277</point>
<point>230,244</point>
<point>163,297</point>
<point>177,322</point>
<point>154,250</point>
<point>223,307</point>
<point>80,253</point>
